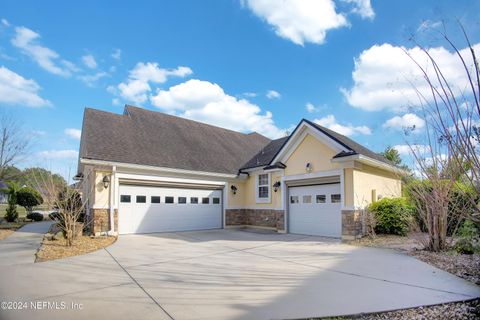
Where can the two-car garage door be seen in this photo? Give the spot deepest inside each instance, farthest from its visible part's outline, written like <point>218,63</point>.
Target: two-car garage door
<point>315,210</point>
<point>146,209</point>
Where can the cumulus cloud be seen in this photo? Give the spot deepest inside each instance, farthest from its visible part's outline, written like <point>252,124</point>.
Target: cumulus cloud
<point>272,94</point>
<point>362,7</point>
<point>385,77</point>
<point>207,102</point>
<point>311,108</point>
<point>91,79</point>
<point>89,61</point>
<point>331,123</point>
<point>16,90</point>
<point>58,154</point>
<point>137,87</point>
<point>27,41</point>
<point>5,22</point>
<point>409,121</point>
<point>73,133</point>
<point>405,149</point>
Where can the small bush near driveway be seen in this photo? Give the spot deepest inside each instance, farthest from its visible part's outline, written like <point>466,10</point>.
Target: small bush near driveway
<point>393,215</point>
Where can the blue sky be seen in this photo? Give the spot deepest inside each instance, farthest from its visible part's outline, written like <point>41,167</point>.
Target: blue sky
<point>246,65</point>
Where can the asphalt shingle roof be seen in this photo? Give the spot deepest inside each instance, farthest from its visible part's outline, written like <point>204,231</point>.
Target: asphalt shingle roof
<point>145,137</point>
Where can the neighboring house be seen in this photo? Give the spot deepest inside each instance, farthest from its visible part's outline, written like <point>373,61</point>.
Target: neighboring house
<point>152,172</point>
<point>3,192</point>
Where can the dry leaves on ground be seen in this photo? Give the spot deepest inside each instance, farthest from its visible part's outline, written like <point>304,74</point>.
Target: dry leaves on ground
<point>5,233</point>
<point>57,249</point>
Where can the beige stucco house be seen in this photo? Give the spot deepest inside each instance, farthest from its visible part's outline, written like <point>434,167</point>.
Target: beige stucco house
<point>147,172</point>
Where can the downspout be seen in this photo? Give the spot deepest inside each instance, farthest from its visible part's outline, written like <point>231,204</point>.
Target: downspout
<point>112,200</point>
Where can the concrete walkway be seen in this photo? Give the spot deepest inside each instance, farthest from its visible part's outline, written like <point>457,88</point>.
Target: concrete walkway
<point>225,274</point>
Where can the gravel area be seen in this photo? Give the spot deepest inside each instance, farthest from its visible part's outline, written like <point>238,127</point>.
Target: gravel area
<point>57,249</point>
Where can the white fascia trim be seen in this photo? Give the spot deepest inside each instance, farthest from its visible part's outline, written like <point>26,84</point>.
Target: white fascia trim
<point>298,137</point>
<point>260,170</point>
<point>159,169</point>
<point>319,174</point>
<point>370,161</point>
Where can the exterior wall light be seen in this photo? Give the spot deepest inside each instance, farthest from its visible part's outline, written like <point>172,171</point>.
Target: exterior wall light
<point>234,189</point>
<point>276,186</point>
<point>106,181</point>
<point>308,167</point>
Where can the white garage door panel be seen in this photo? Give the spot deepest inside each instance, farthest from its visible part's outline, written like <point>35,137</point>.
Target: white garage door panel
<point>151,217</point>
<point>322,219</point>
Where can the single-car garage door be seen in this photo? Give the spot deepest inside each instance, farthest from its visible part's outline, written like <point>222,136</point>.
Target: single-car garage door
<point>145,209</point>
<point>315,210</point>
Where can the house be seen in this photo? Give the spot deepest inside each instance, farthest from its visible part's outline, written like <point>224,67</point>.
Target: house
<point>148,172</point>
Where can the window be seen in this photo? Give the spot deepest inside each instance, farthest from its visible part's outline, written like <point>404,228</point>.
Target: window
<point>293,199</point>
<point>263,187</point>
<point>155,199</point>
<point>321,198</point>
<point>182,199</point>
<point>335,198</point>
<point>307,199</point>
<point>141,199</point>
<point>193,200</point>
<point>216,200</point>
<point>168,199</point>
<point>125,198</point>
<point>205,200</point>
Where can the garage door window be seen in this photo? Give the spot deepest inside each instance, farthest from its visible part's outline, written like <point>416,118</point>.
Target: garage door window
<point>182,199</point>
<point>321,198</point>
<point>294,199</point>
<point>155,199</point>
<point>335,198</point>
<point>141,199</point>
<point>168,199</point>
<point>205,200</point>
<point>307,199</point>
<point>125,198</point>
<point>216,200</point>
<point>194,200</point>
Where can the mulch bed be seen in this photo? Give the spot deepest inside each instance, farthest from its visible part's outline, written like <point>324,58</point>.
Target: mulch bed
<point>57,249</point>
<point>7,228</point>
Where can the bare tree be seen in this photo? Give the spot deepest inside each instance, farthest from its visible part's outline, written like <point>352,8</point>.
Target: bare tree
<point>451,154</point>
<point>67,201</point>
<point>14,143</point>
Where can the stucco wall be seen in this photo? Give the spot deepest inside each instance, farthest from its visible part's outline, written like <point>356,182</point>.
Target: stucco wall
<point>384,183</point>
<point>250,191</point>
<point>101,195</point>
<point>313,151</point>
<point>236,200</point>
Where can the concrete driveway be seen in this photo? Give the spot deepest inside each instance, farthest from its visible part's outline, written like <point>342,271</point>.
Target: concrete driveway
<point>221,274</point>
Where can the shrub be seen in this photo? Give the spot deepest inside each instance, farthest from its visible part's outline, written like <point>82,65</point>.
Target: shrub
<point>469,238</point>
<point>11,214</point>
<point>393,215</point>
<point>28,198</point>
<point>35,216</point>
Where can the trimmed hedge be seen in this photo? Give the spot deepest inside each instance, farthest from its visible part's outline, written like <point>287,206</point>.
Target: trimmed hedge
<point>35,216</point>
<point>393,215</point>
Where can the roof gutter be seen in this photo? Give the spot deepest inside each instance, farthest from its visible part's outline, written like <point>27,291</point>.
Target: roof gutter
<point>372,162</point>
<point>156,169</point>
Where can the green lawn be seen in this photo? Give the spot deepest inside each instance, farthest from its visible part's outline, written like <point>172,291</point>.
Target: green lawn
<point>21,210</point>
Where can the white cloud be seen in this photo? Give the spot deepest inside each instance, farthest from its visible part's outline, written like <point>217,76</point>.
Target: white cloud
<point>16,90</point>
<point>5,23</point>
<point>90,80</point>
<point>58,154</point>
<point>89,61</point>
<point>311,108</point>
<point>137,88</point>
<point>207,102</point>
<point>299,21</point>
<point>73,133</point>
<point>26,40</point>
<point>117,54</point>
<point>385,77</point>
<point>272,94</point>
<point>250,94</point>
<point>409,121</point>
<point>116,102</point>
<point>362,8</point>
<point>331,123</point>
<point>405,149</point>
<point>428,24</point>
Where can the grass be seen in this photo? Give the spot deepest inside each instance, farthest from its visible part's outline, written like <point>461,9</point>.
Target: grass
<point>22,213</point>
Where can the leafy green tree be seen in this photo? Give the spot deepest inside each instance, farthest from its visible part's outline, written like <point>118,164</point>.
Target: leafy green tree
<point>392,154</point>
<point>11,213</point>
<point>32,177</point>
<point>28,198</point>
